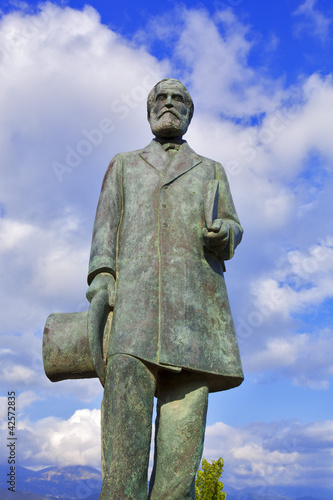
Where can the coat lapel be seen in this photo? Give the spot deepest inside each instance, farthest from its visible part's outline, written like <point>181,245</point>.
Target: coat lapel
<point>155,155</point>
<point>184,160</point>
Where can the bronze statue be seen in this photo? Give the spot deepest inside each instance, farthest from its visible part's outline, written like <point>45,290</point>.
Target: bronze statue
<point>164,226</point>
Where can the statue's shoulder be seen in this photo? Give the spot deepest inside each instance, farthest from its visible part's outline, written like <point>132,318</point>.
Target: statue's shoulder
<point>212,165</point>
<point>205,159</point>
<point>120,158</point>
<point>129,155</point>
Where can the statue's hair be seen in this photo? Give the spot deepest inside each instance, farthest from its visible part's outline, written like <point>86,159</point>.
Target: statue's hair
<point>151,97</point>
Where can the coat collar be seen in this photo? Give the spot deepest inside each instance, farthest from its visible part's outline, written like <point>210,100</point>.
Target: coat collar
<point>158,158</point>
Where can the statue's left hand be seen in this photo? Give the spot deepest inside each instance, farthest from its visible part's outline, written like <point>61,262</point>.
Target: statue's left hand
<point>216,238</point>
<point>103,281</point>
<point>101,295</point>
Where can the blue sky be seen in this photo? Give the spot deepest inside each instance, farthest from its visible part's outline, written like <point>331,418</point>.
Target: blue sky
<point>260,74</point>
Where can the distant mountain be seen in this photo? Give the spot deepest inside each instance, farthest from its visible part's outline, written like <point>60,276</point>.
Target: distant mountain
<point>74,482</point>
<point>61,483</point>
<point>246,494</point>
<point>279,493</point>
<point>21,495</point>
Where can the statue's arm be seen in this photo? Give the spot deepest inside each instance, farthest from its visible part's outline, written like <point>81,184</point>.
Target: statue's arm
<point>103,254</point>
<point>228,214</point>
<point>227,231</point>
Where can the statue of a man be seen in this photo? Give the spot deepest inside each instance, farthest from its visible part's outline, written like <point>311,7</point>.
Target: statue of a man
<point>164,226</point>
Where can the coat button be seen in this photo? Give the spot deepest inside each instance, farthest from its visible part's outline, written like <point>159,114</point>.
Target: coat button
<point>164,205</point>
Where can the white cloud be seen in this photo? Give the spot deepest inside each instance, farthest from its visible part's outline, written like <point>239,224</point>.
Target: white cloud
<point>22,370</point>
<point>26,398</point>
<point>269,165</point>
<point>79,76</point>
<point>258,455</point>
<point>52,441</point>
<point>261,455</point>
<point>22,400</point>
<point>213,54</point>
<point>300,281</point>
<point>12,234</point>
<point>314,21</point>
<point>3,408</point>
<point>305,358</point>
<point>264,162</point>
<point>44,267</point>
<point>77,73</point>
<point>17,374</point>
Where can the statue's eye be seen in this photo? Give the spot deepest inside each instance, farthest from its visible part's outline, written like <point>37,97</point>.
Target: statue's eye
<point>178,98</point>
<point>160,98</point>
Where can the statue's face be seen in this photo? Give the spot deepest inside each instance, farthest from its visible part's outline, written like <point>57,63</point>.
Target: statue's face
<point>169,117</point>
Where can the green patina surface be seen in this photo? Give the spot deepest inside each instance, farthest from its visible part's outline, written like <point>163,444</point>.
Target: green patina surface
<point>159,322</point>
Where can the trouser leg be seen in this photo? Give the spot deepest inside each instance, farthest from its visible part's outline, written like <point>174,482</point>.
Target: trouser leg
<point>126,428</point>
<point>179,435</point>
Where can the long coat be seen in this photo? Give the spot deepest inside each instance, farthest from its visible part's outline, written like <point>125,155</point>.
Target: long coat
<point>171,305</point>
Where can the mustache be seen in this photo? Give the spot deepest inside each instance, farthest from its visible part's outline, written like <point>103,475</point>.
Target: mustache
<point>166,110</point>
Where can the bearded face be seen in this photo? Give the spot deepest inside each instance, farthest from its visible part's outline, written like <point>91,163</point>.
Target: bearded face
<point>169,117</point>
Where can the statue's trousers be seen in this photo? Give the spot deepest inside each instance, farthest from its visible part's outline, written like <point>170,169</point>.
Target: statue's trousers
<point>126,430</point>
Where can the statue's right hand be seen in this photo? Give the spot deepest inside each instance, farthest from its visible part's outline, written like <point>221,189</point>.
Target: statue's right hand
<point>102,281</point>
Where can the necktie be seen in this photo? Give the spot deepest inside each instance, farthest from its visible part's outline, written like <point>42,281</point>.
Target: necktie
<point>171,148</point>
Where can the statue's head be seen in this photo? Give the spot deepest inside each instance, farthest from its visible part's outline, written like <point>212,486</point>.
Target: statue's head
<point>169,108</point>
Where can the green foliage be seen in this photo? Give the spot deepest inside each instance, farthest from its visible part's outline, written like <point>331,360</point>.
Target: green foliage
<point>207,483</point>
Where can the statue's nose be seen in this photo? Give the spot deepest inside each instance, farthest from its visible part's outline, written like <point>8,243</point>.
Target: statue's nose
<point>168,102</point>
